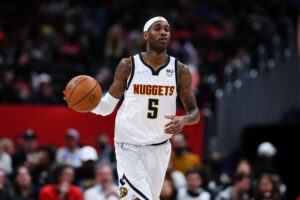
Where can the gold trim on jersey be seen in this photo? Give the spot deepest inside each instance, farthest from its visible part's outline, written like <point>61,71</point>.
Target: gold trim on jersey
<point>151,65</point>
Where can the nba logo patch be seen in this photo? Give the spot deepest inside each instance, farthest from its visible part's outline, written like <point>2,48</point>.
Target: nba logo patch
<point>170,72</point>
<point>123,192</point>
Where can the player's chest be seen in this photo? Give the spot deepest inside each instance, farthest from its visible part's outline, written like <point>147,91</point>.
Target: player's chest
<point>146,76</point>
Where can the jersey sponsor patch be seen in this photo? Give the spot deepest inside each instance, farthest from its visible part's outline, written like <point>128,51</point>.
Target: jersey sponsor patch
<point>123,192</point>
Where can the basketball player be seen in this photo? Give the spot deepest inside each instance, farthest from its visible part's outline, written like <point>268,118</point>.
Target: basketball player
<point>150,82</point>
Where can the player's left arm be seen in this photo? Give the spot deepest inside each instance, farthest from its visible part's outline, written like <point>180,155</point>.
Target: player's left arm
<point>188,100</point>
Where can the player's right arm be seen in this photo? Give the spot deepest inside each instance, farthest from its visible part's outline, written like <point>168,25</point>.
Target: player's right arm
<point>120,79</point>
<point>116,90</point>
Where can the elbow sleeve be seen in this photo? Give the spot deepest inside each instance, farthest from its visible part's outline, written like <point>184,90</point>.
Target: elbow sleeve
<point>106,105</point>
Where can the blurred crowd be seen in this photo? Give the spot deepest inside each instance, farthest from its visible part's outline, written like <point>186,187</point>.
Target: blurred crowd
<point>44,43</point>
<point>31,172</point>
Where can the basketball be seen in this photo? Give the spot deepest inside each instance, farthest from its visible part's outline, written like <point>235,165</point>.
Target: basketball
<point>83,93</point>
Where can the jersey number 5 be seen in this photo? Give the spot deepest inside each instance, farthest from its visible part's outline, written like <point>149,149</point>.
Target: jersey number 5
<point>153,108</point>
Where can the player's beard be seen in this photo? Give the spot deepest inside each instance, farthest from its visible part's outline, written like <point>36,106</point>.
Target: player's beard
<point>154,45</point>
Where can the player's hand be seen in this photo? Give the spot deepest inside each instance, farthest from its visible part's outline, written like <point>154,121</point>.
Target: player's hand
<point>175,125</point>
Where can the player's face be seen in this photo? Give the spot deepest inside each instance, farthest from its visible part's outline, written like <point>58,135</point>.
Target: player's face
<point>158,36</point>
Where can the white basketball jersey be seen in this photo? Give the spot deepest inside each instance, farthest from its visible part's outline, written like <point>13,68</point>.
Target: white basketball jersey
<point>150,95</point>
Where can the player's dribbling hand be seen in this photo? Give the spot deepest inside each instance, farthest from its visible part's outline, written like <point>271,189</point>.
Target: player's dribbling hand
<point>175,125</point>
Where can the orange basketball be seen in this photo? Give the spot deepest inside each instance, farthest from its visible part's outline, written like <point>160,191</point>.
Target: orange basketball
<point>83,93</point>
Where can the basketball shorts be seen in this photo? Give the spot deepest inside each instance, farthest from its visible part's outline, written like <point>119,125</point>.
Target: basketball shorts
<point>141,170</point>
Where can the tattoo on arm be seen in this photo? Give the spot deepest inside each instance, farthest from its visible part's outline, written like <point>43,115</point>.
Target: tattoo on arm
<point>122,73</point>
<point>187,95</point>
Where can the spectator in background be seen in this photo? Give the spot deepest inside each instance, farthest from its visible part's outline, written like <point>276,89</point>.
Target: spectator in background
<point>104,77</point>
<point>45,93</point>
<point>215,173</point>
<point>168,191</point>
<point>5,160</point>
<point>70,154</point>
<point>4,194</point>
<point>18,142</point>
<point>266,188</point>
<point>106,153</point>
<point>104,189</point>
<point>8,146</point>
<point>195,78</point>
<point>27,154</point>
<point>62,187</point>
<point>177,177</point>
<point>85,175</point>
<point>239,190</point>
<point>206,36</point>
<point>244,167</point>
<point>208,183</point>
<point>182,159</point>
<point>265,154</point>
<point>23,188</point>
<point>115,44</point>
<point>41,170</point>
<point>8,92</point>
<point>279,185</point>
<point>193,190</point>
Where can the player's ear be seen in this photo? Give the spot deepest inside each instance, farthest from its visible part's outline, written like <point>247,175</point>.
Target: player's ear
<point>146,35</point>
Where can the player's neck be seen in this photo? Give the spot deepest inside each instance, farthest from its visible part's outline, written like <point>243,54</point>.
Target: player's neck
<point>155,59</point>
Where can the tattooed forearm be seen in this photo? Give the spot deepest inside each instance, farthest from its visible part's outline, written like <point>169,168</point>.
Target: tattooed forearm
<point>120,79</point>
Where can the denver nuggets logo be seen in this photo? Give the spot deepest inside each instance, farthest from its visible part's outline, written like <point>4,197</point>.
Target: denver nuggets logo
<point>123,192</point>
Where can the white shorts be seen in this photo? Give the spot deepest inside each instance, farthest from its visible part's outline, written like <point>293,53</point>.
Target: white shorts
<point>141,170</point>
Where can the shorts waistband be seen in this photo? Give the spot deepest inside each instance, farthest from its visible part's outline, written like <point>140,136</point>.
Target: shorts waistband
<point>156,144</point>
<point>149,145</point>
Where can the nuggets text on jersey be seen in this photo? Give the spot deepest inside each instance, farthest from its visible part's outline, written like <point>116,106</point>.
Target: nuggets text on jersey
<point>160,90</point>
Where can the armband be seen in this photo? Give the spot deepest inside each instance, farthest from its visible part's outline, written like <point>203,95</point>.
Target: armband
<point>106,105</point>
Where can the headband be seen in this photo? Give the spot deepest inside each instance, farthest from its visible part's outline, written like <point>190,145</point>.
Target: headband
<point>152,21</point>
